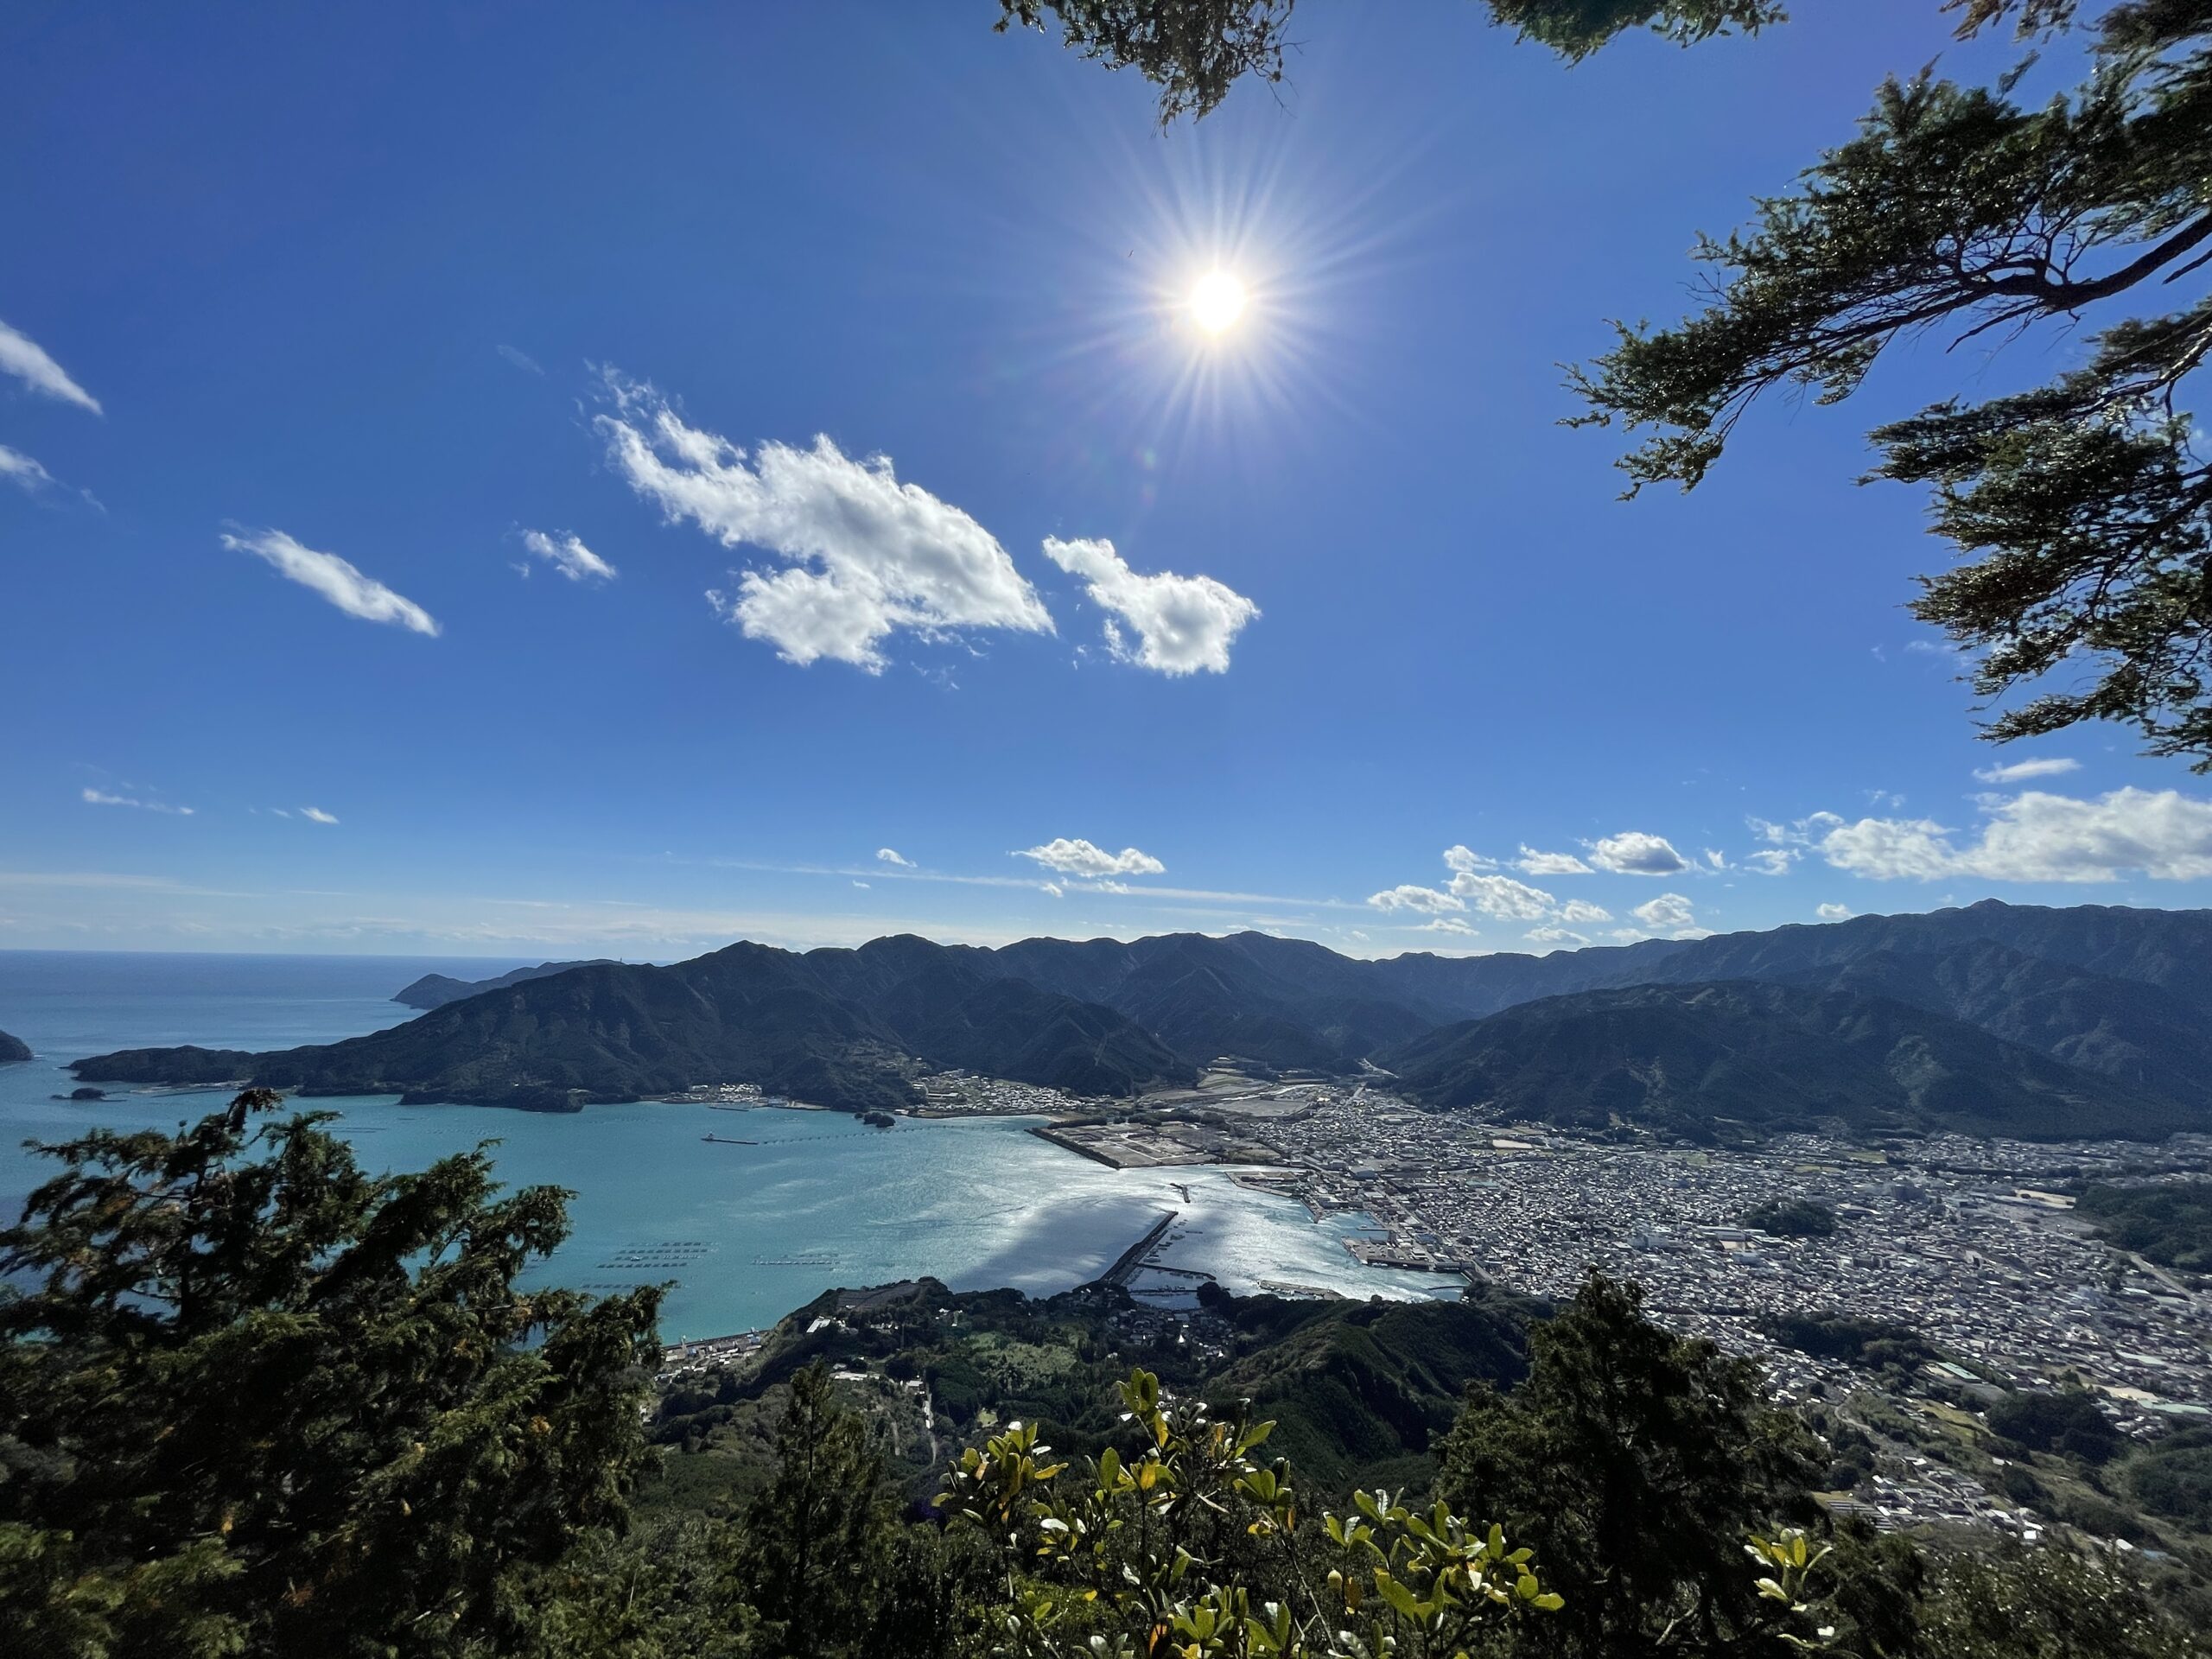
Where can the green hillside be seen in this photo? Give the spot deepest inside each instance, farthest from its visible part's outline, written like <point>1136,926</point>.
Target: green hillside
<point>1740,1058</point>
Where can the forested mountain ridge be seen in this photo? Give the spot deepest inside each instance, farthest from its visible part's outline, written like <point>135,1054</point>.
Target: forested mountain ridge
<point>1732,1057</point>
<point>843,1033</point>
<point>435,990</point>
<point>2119,1000</point>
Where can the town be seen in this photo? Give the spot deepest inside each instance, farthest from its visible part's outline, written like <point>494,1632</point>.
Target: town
<point>1969,1250</point>
<point>1967,1244</point>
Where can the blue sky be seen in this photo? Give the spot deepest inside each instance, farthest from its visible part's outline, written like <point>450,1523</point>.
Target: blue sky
<point>1100,624</point>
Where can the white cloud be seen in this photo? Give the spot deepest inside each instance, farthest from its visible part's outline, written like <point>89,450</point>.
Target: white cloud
<point>1055,889</point>
<point>1452,924</point>
<point>317,815</point>
<point>2019,772</point>
<point>1466,862</point>
<point>1409,897</point>
<point>1183,623</point>
<point>1890,850</point>
<point>1504,897</point>
<point>1669,913</point>
<point>1766,830</point>
<point>334,578</point>
<point>1634,853</point>
<point>1556,935</point>
<point>2035,836</point>
<point>27,474</point>
<point>1532,863</point>
<point>521,360</point>
<point>23,358</point>
<point>888,856</point>
<point>1473,885</point>
<point>568,556</point>
<point>1716,859</point>
<point>1770,861</point>
<point>862,885</point>
<point>866,555</point>
<point>1082,859</point>
<point>22,471</point>
<point>101,798</point>
<point>1833,913</point>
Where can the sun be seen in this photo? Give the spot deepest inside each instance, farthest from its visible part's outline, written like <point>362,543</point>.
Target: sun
<point>1217,302</point>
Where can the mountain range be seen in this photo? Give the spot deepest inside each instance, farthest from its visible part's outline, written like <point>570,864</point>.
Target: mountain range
<point>435,990</point>
<point>1990,1019</point>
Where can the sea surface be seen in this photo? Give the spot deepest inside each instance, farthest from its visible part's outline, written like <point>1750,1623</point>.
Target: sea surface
<point>746,1232</point>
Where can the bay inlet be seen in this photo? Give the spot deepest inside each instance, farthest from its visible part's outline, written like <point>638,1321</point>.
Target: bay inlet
<point>780,1206</point>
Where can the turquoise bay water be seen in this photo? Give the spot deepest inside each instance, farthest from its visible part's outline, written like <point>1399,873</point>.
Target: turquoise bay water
<point>747,1232</point>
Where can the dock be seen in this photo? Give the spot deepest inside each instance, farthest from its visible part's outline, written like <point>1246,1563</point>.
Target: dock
<point>1125,1266</point>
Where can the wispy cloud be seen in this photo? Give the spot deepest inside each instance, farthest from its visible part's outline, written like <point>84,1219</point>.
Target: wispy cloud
<point>27,474</point>
<point>1183,623</point>
<point>567,555</point>
<point>22,471</point>
<point>103,798</point>
<point>1532,863</point>
<point>520,360</point>
<point>336,579</point>
<point>2019,772</point>
<point>315,814</point>
<point>889,855</point>
<point>1409,896</point>
<point>1833,912</point>
<point>1081,858</point>
<point>23,357</point>
<point>865,555</point>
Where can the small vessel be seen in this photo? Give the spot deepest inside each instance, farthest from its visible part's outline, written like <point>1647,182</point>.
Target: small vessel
<point>729,1140</point>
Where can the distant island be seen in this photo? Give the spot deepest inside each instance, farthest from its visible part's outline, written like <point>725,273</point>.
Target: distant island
<point>435,990</point>
<point>2017,1020</point>
<point>13,1048</point>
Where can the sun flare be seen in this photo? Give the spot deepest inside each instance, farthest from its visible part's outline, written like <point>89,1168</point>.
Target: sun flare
<point>1217,302</point>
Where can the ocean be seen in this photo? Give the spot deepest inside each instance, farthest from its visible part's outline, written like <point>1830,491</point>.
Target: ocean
<point>746,1232</point>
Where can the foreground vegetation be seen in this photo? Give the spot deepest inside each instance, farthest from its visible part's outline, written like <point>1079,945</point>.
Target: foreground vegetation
<point>254,1402</point>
